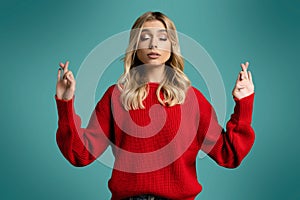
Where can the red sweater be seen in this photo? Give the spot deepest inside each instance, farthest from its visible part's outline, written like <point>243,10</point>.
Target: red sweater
<point>155,150</point>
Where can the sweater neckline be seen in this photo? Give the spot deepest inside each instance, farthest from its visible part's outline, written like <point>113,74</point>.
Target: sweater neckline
<point>153,84</point>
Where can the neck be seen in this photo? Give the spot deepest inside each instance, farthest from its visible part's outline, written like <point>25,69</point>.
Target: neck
<point>155,73</point>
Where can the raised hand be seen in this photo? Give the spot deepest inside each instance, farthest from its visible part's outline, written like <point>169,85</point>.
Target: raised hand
<point>244,85</point>
<point>65,86</point>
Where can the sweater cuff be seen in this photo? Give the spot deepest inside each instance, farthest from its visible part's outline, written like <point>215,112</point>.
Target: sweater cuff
<point>243,108</point>
<point>65,109</point>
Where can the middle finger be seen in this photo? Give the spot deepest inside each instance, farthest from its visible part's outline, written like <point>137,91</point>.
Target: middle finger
<point>244,69</point>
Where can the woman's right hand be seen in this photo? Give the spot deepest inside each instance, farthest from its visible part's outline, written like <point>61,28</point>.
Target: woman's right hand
<point>65,86</point>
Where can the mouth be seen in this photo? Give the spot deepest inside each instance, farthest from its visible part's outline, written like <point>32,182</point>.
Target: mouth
<point>153,55</point>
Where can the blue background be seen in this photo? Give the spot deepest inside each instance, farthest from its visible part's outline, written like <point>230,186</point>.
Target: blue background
<point>36,35</point>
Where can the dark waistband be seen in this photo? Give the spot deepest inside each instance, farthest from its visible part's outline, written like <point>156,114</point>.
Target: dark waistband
<point>146,197</point>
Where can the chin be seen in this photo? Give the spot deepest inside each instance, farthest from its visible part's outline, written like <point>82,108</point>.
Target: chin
<point>154,63</point>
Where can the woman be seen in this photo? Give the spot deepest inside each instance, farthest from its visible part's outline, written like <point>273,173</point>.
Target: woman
<point>155,121</point>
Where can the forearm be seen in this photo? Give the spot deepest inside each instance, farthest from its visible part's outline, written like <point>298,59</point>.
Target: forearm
<point>228,148</point>
<point>80,146</point>
<point>234,144</point>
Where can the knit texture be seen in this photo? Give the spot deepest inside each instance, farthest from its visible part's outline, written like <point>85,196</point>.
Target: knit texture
<point>155,148</point>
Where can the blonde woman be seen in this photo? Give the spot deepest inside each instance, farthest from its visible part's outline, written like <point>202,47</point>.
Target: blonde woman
<point>154,119</point>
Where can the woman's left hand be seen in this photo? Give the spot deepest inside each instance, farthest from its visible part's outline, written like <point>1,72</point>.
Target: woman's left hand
<point>244,85</point>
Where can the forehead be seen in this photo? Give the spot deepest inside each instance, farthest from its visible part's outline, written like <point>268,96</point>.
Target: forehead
<point>153,25</point>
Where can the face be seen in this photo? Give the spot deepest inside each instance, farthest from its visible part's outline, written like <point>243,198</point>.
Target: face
<point>154,46</point>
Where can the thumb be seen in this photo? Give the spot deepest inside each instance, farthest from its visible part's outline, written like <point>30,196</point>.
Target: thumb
<point>59,74</point>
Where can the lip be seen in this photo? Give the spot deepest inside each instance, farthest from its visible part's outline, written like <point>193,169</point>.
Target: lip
<point>153,55</point>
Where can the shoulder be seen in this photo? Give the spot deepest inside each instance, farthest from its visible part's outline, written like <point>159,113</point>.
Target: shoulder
<point>204,105</point>
<point>110,89</point>
<point>108,92</point>
<point>104,103</point>
<point>201,98</point>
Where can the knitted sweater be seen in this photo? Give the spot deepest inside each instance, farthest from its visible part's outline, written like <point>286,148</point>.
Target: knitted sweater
<point>155,148</point>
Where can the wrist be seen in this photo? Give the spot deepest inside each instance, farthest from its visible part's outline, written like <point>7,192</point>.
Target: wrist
<point>242,96</point>
<point>244,108</point>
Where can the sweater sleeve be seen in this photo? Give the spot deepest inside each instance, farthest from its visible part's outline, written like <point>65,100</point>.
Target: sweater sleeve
<point>81,146</point>
<point>227,148</point>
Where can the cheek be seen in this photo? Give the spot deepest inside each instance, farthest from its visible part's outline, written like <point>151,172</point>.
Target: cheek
<point>166,50</point>
<point>166,47</point>
<point>143,45</point>
<point>140,54</point>
<point>165,56</point>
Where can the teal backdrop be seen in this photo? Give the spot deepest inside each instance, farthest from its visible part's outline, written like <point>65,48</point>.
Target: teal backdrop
<point>36,35</point>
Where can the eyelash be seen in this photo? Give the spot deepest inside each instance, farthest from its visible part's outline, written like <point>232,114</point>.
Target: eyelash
<point>146,38</point>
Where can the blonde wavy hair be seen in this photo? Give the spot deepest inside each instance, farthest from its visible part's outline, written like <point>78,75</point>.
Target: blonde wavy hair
<point>132,84</point>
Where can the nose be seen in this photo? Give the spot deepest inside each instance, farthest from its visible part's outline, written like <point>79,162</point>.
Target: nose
<point>153,43</point>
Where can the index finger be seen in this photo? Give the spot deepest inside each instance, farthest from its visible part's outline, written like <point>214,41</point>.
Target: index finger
<point>245,66</point>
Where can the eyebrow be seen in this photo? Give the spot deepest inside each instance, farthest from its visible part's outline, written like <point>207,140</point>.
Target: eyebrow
<point>160,30</point>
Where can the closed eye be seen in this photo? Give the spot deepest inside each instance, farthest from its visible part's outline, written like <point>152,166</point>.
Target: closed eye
<point>145,37</point>
<point>163,37</point>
